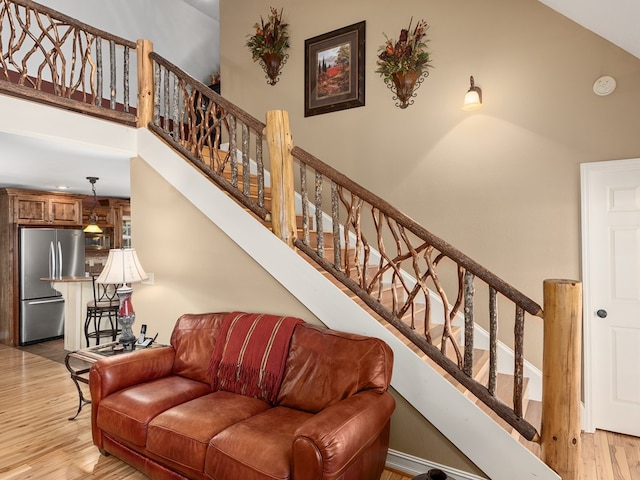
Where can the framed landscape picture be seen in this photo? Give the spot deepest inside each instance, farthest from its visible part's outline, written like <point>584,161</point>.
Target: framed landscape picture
<point>334,70</point>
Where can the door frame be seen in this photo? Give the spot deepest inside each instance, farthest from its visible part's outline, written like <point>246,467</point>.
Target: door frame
<point>586,170</point>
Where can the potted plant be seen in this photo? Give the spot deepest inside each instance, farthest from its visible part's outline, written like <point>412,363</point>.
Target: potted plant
<point>269,44</point>
<point>403,63</point>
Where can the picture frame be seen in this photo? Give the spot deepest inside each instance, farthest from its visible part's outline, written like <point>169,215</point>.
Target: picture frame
<point>334,70</point>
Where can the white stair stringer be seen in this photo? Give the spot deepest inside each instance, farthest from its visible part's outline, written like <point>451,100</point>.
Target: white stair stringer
<point>506,356</point>
<point>473,432</point>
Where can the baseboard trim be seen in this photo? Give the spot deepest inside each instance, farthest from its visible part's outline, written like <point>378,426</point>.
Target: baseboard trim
<point>410,465</point>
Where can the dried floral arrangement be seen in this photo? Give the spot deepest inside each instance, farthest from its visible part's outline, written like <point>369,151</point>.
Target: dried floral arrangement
<point>269,37</point>
<point>408,53</point>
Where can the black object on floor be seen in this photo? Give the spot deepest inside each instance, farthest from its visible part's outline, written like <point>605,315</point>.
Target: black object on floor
<point>433,474</point>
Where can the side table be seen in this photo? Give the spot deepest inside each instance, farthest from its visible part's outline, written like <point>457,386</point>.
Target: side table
<point>79,364</point>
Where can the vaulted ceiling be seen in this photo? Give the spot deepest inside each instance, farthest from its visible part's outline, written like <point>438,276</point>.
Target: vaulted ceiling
<point>615,20</point>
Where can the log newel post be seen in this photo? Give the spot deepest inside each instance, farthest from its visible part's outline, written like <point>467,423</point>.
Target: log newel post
<point>561,371</point>
<point>280,143</point>
<point>145,83</point>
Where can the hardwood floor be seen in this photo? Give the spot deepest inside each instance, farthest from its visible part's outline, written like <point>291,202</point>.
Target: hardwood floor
<point>38,441</point>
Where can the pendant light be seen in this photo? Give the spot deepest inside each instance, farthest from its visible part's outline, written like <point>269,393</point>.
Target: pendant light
<point>93,219</point>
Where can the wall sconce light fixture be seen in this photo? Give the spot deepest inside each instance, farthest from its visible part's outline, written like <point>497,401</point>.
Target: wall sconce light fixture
<point>473,97</point>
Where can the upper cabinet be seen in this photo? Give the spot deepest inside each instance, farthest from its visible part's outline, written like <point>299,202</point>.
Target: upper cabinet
<point>123,226</point>
<point>113,217</point>
<point>42,208</point>
<point>105,215</point>
<point>34,207</point>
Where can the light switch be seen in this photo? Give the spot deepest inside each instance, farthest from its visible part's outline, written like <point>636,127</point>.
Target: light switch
<point>150,280</point>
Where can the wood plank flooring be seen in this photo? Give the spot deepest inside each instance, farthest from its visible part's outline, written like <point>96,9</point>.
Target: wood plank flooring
<point>39,442</point>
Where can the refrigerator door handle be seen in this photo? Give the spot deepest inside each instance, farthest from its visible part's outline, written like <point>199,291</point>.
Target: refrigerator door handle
<point>52,261</point>
<point>59,259</point>
<point>41,302</point>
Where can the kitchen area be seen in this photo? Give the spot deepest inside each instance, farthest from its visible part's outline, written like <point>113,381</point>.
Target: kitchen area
<point>41,236</point>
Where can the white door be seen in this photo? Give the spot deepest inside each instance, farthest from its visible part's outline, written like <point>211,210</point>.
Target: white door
<point>611,278</point>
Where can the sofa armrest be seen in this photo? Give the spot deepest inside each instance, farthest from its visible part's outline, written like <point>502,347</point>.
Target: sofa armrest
<point>111,374</point>
<point>326,444</point>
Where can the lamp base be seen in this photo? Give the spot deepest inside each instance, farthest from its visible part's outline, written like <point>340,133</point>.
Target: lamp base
<point>126,316</point>
<point>126,335</point>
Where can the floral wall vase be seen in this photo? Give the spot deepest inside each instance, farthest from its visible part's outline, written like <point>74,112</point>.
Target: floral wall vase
<point>272,63</point>
<point>404,85</point>
<point>403,64</point>
<point>269,44</point>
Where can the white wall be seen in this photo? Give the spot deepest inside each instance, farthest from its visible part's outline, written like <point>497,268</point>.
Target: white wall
<point>180,33</point>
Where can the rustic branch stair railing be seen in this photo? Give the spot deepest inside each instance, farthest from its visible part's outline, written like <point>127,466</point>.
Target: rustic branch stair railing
<point>226,144</point>
<point>414,246</point>
<point>192,118</point>
<point>55,59</point>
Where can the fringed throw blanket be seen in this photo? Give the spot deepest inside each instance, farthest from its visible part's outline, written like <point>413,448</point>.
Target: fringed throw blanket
<point>250,354</point>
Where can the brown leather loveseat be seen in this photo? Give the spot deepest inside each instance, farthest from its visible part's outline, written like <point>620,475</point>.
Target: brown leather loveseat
<point>172,414</point>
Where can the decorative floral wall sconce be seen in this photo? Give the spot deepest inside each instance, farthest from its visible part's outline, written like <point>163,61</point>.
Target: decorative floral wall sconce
<point>269,45</point>
<point>403,64</point>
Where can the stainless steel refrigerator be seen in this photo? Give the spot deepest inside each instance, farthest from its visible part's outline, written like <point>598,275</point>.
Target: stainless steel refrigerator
<point>46,253</point>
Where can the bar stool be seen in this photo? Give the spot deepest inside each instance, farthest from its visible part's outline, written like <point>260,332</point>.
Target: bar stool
<point>103,307</point>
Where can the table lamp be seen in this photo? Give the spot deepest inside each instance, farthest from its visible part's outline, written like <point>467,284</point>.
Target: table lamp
<point>123,267</point>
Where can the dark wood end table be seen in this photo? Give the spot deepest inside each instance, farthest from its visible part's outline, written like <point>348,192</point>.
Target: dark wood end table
<point>79,364</point>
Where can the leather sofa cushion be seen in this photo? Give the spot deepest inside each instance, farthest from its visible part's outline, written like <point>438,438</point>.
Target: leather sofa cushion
<point>125,414</point>
<point>182,433</point>
<point>193,338</point>
<point>258,448</point>
<point>325,366</point>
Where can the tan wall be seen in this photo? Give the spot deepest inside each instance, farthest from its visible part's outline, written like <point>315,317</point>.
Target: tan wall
<point>197,268</point>
<point>501,184</point>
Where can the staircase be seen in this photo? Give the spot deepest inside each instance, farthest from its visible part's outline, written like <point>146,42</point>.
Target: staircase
<point>360,258</point>
<point>219,161</point>
<point>452,412</point>
<point>343,254</point>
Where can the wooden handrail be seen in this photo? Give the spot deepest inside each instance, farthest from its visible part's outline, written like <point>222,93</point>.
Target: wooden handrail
<point>472,266</point>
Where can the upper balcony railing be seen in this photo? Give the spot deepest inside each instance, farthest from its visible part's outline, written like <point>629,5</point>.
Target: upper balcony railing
<point>52,58</point>
<point>421,285</point>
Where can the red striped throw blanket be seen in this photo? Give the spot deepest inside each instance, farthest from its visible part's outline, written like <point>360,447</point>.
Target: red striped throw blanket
<point>250,354</point>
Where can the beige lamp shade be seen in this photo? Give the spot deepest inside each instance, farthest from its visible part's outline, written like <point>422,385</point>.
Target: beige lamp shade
<point>92,228</point>
<point>122,267</point>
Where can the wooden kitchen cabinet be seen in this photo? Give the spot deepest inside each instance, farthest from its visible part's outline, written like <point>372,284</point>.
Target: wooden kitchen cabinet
<point>19,207</point>
<point>122,230</point>
<point>105,215</point>
<point>46,209</point>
